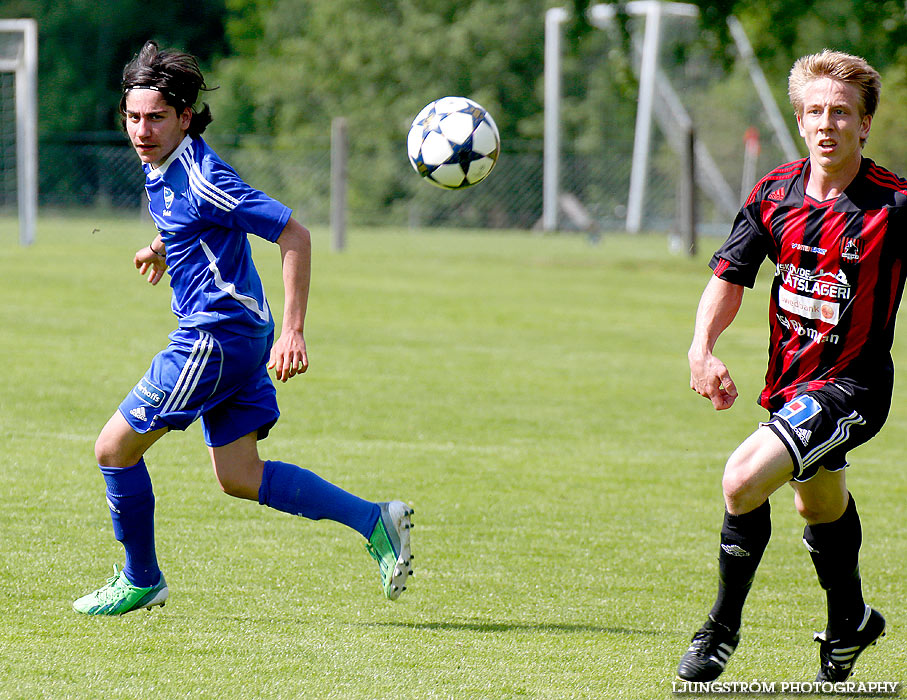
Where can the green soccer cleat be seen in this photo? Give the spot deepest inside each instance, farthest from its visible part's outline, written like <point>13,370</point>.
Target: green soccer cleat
<point>118,596</point>
<point>389,546</point>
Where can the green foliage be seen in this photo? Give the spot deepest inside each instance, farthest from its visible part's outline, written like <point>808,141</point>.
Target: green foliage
<point>782,31</point>
<point>293,65</point>
<point>887,143</point>
<point>527,394</point>
<point>287,67</point>
<point>377,64</point>
<point>83,46</point>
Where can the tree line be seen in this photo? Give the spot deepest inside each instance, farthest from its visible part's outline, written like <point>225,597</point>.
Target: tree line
<point>285,68</point>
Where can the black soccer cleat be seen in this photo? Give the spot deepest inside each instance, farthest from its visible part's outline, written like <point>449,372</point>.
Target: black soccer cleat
<point>709,652</point>
<point>837,656</point>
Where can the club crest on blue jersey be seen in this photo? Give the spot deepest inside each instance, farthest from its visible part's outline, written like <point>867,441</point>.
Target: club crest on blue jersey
<point>168,197</point>
<point>149,393</point>
<point>800,410</point>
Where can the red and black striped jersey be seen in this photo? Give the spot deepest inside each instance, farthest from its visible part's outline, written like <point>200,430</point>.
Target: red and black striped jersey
<point>839,276</point>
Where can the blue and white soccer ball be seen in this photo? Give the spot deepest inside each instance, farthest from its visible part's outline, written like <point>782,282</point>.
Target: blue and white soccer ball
<point>453,143</point>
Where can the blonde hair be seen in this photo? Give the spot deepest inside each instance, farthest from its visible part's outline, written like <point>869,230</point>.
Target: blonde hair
<point>836,65</point>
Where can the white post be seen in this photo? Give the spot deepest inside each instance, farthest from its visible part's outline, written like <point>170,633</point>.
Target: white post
<point>27,117</point>
<point>642,136</point>
<point>554,18</point>
<point>26,71</point>
<point>338,183</point>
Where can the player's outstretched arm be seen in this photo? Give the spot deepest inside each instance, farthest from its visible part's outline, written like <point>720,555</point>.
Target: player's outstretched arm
<point>288,356</point>
<point>152,259</point>
<point>709,376</point>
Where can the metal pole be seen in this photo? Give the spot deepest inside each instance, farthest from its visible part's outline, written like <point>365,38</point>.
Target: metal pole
<point>642,136</point>
<point>554,18</point>
<point>338,183</point>
<point>26,126</point>
<point>686,192</point>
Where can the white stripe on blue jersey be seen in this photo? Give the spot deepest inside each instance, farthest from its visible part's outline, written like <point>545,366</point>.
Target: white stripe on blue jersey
<point>207,191</point>
<point>201,186</point>
<point>205,212</point>
<point>249,302</point>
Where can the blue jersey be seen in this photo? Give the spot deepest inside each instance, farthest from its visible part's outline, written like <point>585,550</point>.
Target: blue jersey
<point>204,212</point>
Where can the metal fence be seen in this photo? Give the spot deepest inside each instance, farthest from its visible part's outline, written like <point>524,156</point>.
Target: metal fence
<point>7,140</point>
<point>102,171</point>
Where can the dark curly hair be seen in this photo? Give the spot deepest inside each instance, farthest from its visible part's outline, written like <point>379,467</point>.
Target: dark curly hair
<point>175,75</point>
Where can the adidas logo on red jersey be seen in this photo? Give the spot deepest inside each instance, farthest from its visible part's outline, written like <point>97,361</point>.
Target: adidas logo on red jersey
<point>777,195</point>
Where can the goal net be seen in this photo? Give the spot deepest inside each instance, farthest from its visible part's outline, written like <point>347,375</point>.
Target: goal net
<point>19,124</point>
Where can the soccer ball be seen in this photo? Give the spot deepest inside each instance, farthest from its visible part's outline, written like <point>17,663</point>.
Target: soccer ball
<point>453,143</point>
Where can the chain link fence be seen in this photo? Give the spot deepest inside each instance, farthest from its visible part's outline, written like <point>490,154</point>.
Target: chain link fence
<point>97,172</point>
<point>7,142</point>
<point>597,113</point>
<point>102,171</point>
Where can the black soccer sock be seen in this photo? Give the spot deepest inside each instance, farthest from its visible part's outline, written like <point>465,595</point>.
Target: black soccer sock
<point>743,541</point>
<point>835,550</point>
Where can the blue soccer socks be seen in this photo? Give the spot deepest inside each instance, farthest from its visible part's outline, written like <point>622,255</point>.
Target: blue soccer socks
<point>285,487</point>
<point>298,491</point>
<point>131,502</point>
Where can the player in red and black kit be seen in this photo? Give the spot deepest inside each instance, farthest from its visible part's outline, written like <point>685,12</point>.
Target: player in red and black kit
<point>834,226</point>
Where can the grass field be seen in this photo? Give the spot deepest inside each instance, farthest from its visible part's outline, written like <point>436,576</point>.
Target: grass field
<point>527,394</point>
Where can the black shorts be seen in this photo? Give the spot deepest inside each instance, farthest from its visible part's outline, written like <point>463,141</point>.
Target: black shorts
<point>820,427</point>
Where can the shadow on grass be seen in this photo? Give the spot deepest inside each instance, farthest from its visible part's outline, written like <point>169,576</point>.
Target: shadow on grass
<point>516,627</point>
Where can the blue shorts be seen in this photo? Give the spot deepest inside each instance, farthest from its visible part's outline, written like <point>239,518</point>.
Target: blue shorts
<point>819,428</point>
<point>222,379</point>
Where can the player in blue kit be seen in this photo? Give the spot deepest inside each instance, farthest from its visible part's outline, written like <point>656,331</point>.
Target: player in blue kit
<point>215,367</point>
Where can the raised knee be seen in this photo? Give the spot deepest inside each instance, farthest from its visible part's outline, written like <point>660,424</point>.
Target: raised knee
<point>118,445</point>
<point>737,493</point>
<point>107,452</point>
<point>743,489</point>
<point>736,485</point>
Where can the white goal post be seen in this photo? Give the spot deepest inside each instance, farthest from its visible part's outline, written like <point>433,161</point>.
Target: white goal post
<point>654,88</point>
<point>19,55</point>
